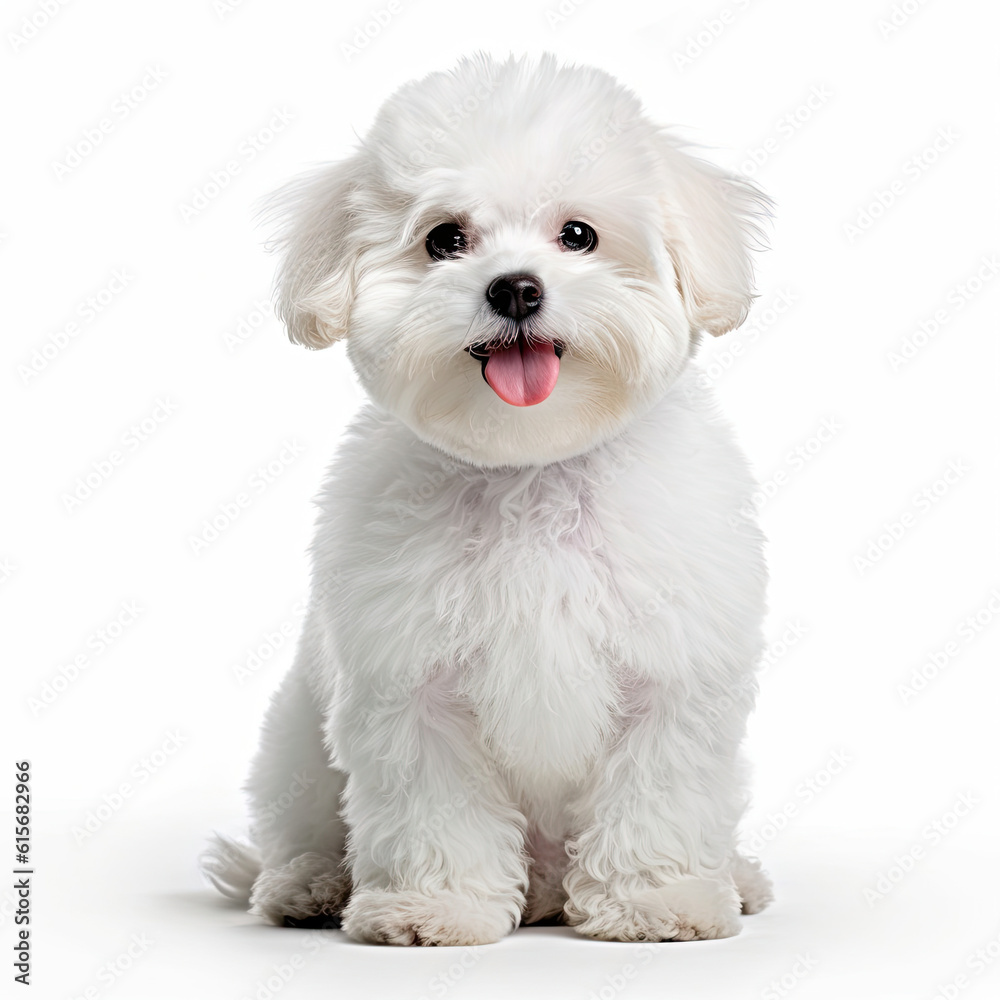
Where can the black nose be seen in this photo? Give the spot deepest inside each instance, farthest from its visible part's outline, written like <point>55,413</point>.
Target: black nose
<point>515,295</point>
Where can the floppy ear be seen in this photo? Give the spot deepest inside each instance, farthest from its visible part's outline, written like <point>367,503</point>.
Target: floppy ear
<point>316,235</point>
<point>712,224</point>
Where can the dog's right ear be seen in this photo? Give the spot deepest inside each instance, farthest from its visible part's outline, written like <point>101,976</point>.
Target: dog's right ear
<point>317,238</point>
<point>712,223</point>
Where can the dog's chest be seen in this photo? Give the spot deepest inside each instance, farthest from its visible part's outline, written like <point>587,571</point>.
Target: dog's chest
<point>543,597</point>
<point>524,607</point>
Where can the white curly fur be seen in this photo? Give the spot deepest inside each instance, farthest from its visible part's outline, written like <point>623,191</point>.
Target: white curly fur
<point>528,661</point>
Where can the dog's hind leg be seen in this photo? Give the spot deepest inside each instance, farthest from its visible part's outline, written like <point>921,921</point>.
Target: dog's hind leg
<point>295,799</point>
<point>295,865</point>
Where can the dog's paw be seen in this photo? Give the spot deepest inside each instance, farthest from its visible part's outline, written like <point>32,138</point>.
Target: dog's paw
<point>688,909</point>
<point>309,886</point>
<point>752,883</point>
<point>381,916</point>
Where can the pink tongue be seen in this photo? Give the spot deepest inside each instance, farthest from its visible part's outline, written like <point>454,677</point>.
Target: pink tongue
<point>524,374</point>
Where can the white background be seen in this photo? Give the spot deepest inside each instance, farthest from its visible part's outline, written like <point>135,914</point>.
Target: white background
<point>853,766</point>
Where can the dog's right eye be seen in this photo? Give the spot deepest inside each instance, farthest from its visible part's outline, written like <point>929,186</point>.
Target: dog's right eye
<point>445,241</point>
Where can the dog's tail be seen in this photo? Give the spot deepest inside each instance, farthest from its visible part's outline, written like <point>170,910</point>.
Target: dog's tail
<point>231,867</point>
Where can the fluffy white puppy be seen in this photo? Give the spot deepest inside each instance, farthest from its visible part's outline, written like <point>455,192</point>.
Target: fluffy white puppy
<point>527,665</point>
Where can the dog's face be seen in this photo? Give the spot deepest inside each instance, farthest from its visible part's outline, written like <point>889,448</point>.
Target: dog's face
<point>520,260</point>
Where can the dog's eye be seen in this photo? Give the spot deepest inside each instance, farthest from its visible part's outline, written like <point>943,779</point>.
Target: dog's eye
<point>578,236</point>
<point>445,241</point>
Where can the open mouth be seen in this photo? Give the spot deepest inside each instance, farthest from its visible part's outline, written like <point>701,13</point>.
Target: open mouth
<point>522,371</point>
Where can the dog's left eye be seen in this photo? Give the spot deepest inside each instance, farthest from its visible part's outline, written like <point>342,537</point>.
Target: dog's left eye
<point>578,236</point>
<point>445,241</point>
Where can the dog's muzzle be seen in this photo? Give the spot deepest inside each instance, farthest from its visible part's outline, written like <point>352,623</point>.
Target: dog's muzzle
<point>519,367</point>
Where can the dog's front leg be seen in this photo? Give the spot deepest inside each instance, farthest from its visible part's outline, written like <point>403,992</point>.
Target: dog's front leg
<point>435,844</point>
<point>652,861</point>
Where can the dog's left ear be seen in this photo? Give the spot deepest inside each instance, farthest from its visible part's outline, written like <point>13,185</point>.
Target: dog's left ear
<point>317,219</point>
<point>712,223</point>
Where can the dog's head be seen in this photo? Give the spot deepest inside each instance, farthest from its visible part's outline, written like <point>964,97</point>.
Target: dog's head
<point>520,260</point>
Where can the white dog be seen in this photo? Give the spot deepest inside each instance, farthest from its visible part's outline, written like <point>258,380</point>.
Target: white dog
<point>528,660</point>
